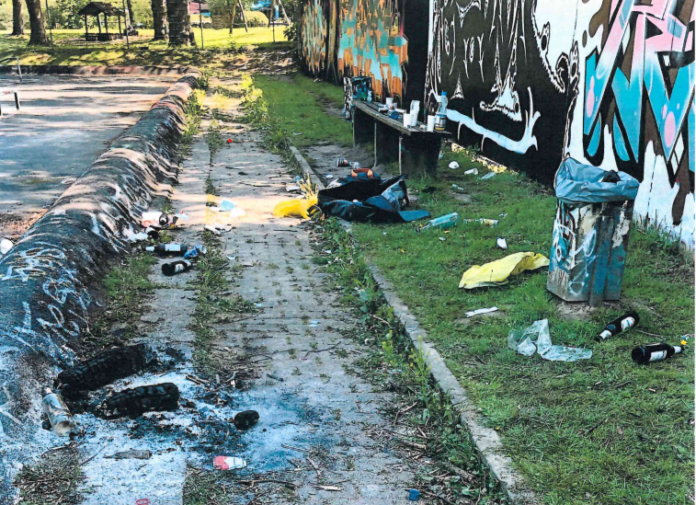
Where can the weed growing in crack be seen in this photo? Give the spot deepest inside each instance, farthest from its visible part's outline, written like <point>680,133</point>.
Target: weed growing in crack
<point>214,139</point>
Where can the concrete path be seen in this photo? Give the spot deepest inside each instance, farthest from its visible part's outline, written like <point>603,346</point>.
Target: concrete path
<point>322,437</point>
<point>65,123</point>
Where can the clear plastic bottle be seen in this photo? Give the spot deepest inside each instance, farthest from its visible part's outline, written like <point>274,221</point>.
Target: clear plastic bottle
<point>62,422</point>
<point>442,222</point>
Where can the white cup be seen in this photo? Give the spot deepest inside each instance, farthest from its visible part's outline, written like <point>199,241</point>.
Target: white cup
<point>407,119</point>
<point>414,119</point>
<point>389,102</point>
<point>431,123</point>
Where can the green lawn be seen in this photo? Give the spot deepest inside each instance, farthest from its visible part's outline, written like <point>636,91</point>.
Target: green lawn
<point>603,431</point>
<point>71,48</point>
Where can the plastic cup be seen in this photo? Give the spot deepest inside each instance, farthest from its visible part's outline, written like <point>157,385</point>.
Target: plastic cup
<point>407,119</point>
<point>431,123</point>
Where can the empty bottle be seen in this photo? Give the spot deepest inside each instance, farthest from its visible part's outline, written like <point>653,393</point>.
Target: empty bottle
<point>457,188</point>
<point>486,222</point>
<point>442,222</point>
<point>441,116</point>
<point>167,249</point>
<point>62,422</point>
<point>623,323</point>
<point>655,352</point>
<point>176,267</point>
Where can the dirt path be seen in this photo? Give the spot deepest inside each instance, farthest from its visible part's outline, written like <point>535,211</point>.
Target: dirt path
<point>284,346</point>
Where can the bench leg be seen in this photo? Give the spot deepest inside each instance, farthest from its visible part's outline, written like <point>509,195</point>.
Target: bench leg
<point>419,156</point>
<point>362,128</point>
<point>16,100</point>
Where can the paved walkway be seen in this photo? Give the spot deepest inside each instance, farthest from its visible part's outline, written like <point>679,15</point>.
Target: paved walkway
<point>321,428</point>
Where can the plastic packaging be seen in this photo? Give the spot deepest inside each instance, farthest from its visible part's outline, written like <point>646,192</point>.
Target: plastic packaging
<point>442,222</point>
<point>298,207</point>
<point>228,463</point>
<point>62,422</point>
<point>537,339</point>
<point>496,273</point>
<point>577,183</point>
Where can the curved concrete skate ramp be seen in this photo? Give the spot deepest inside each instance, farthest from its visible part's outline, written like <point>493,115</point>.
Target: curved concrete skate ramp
<point>45,279</point>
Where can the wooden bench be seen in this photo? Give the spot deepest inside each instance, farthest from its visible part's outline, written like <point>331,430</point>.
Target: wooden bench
<point>416,150</point>
<point>10,92</point>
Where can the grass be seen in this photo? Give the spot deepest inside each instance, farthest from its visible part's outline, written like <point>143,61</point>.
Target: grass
<point>70,48</point>
<point>299,104</point>
<point>55,479</point>
<point>603,431</point>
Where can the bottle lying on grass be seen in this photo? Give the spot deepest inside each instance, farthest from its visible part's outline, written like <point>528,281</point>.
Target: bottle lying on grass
<point>442,222</point>
<point>618,325</point>
<point>645,354</point>
<point>59,416</point>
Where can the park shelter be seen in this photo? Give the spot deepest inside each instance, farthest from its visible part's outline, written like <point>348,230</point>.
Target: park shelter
<point>97,9</point>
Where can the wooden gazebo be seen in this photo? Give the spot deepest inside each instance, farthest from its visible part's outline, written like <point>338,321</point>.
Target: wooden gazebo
<point>96,9</point>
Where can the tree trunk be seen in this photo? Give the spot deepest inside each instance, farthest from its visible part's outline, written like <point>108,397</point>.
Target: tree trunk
<point>36,23</point>
<point>130,12</point>
<point>179,22</point>
<point>233,15</point>
<point>159,18</point>
<point>17,21</point>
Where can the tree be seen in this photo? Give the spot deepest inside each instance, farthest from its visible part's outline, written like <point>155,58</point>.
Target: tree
<point>179,22</point>
<point>131,12</point>
<point>17,21</point>
<point>36,24</point>
<point>159,18</point>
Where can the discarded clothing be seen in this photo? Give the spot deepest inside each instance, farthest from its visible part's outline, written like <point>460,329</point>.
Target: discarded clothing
<point>297,207</point>
<point>537,339</point>
<point>578,183</point>
<point>362,174</point>
<point>371,200</point>
<point>496,273</point>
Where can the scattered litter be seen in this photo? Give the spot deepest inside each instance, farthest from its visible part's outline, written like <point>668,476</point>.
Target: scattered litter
<point>342,162</point>
<point>298,207</point>
<point>645,354</point>
<point>442,222</point>
<point>329,488</point>
<point>131,455</point>
<point>62,422</point>
<point>486,222</point>
<point>502,243</point>
<point>229,141</point>
<point>5,245</point>
<point>195,251</point>
<point>226,205</point>
<point>442,239</point>
<point>537,339</point>
<point>297,134</point>
<point>104,369</point>
<point>149,233</point>
<point>478,312</point>
<point>503,215</point>
<point>496,273</point>
<point>328,176</point>
<point>142,501</point>
<point>454,165</point>
<point>213,229</point>
<point>618,325</point>
<point>457,188</point>
<point>231,258</point>
<point>372,200</point>
<point>245,420</point>
<point>228,463</point>
<point>314,324</point>
<point>135,402</point>
<point>159,220</point>
<point>258,305</point>
<point>68,181</point>
<point>293,188</point>
<point>473,171</point>
<point>489,175</point>
<point>413,494</point>
<point>176,267</point>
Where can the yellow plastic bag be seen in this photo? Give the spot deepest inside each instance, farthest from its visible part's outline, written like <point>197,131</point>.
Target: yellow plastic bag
<point>496,273</point>
<point>297,207</point>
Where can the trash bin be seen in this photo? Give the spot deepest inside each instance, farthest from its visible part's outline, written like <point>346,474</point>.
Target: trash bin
<point>590,232</point>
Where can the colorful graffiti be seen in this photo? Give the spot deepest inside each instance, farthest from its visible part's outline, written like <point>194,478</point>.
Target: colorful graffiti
<point>314,31</point>
<point>506,93</point>
<point>639,88</point>
<point>373,44</point>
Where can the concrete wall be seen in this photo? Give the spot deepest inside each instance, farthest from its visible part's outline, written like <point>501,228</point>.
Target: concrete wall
<point>608,82</point>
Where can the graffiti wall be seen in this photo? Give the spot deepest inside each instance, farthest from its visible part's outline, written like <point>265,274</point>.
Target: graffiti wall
<point>608,82</point>
<point>314,37</point>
